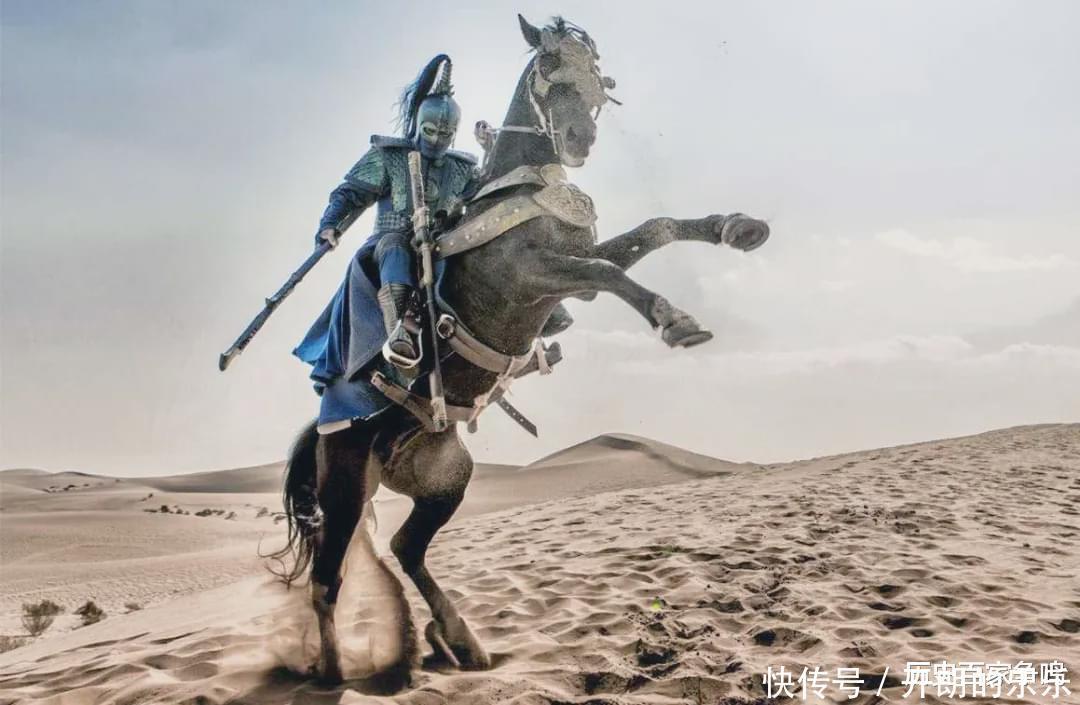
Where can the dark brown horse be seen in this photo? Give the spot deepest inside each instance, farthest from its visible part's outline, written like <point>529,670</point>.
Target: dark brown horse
<point>504,292</point>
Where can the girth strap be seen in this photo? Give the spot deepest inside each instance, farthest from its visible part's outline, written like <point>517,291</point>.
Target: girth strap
<point>508,367</point>
<point>418,406</point>
<point>464,343</point>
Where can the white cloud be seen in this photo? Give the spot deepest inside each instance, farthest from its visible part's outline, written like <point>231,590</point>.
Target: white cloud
<point>952,352</point>
<point>809,361</point>
<point>969,254</point>
<point>1050,355</point>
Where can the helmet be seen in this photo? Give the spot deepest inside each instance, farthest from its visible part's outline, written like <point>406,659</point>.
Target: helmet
<point>430,115</point>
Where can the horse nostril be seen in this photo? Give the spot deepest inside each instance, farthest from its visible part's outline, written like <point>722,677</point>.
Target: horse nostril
<point>581,136</point>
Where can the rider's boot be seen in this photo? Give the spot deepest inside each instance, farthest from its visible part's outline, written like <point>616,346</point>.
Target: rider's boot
<point>402,347</point>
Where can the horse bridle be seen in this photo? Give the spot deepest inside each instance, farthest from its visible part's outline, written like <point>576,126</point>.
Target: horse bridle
<point>546,127</point>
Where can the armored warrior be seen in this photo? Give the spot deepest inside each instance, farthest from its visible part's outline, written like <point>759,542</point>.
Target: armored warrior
<point>429,117</point>
<point>371,311</point>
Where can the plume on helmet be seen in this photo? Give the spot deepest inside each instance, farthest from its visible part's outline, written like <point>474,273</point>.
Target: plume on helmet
<point>414,93</point>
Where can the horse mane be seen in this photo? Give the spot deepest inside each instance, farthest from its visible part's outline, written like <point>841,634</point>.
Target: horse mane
<point>564,28</point>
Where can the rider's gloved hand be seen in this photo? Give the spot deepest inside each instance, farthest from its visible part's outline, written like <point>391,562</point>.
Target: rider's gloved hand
<point>328,235</point>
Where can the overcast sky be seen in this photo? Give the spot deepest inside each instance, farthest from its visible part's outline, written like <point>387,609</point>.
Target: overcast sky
<point>165,165</point>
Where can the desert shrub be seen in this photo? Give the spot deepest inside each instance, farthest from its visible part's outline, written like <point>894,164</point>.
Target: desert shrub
<point>204,512</point>
<point>7,643</point>
<point>164,509</point>
<point>230,515</point>
<point>36,618</point>
<point>90,613</point>
<point>263,511</point>
<point>132,606</point>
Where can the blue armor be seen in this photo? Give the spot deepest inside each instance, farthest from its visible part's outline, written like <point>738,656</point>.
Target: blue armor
<point>382,176</point>
<point>346,339</point>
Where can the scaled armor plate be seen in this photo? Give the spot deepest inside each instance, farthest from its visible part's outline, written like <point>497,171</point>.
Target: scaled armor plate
<point>370,172</point>
<point>389,170</point>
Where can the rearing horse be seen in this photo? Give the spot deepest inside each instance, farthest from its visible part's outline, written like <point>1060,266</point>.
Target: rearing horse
<point>537,246</point>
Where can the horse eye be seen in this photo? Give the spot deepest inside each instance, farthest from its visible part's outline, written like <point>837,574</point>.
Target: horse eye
<point>549,63</point>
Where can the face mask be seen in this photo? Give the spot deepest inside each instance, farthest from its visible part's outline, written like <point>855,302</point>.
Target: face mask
<point>437,123</point>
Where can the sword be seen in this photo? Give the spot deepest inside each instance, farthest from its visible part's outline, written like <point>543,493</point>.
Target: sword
<point>427,279</point>
<point>272,303</point>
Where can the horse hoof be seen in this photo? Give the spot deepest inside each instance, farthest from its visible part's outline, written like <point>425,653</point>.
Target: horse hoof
<point>330,677</point>
<point>744,233</point>
<point>685,333</point>
<point>458,646</point>
<point>689,341</point>
<point>390,681</point>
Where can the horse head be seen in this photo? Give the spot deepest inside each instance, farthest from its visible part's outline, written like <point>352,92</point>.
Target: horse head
<point>564,87</point>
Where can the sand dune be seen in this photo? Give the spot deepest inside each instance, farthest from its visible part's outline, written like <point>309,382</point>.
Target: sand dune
<point>56,481</point>
<point>679,591</point>
<point>259,478</point>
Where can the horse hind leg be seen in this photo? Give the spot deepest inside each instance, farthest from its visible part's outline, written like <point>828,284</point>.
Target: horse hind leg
<point>342,492</point>
<point>441,468</point>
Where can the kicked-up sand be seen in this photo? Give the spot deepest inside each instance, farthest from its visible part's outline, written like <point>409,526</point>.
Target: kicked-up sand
<point>621,570</point>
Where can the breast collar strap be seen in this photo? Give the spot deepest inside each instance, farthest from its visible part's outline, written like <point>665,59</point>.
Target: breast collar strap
<point>546,128</point>
<point>526,174</point>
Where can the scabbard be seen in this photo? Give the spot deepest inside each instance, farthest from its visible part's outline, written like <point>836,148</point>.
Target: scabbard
<point>427,280</point>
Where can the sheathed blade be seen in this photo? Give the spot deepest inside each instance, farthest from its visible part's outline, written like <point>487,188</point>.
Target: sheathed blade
<point>517,416</point>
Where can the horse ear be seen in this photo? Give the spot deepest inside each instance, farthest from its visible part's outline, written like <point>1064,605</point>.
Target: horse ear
<point>531,34</point>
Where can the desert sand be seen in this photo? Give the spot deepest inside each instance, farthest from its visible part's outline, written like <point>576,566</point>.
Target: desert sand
<point>621,570</point>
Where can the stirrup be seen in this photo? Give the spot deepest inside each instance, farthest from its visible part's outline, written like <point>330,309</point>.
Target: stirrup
<point>397,359</point>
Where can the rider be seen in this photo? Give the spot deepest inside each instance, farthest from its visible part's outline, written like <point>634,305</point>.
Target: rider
<point>429,117</point>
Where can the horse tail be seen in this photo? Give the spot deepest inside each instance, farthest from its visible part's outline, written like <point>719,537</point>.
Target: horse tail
<point>302,512</point>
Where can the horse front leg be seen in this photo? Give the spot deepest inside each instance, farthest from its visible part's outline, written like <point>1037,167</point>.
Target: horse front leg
<point>343,491</point>
<point>737,230</point>
<point>554,275</point>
